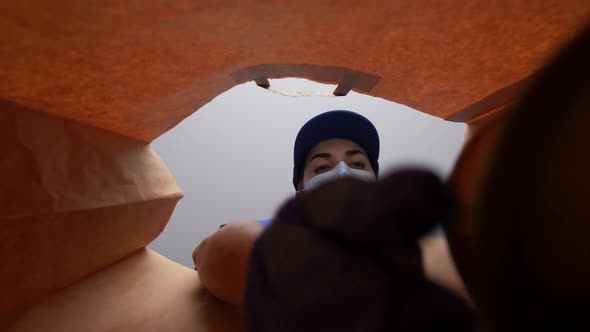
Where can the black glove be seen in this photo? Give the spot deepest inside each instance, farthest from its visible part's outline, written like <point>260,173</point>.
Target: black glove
<point>344,257</point>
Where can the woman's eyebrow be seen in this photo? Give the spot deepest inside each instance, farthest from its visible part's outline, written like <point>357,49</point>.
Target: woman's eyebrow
<point>320,155</point>
<point>353,152</point>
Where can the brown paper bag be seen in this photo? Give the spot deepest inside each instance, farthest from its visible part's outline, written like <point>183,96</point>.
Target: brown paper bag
<point>144,292</point>
<point>139,68</point>
<point>75,199</point>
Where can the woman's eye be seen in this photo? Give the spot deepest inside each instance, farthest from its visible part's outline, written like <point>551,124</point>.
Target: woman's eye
<point>321,169</point>
<point>357,165</point>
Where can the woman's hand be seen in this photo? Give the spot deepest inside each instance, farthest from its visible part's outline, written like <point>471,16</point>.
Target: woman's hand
<point>345,257</point>
<point>222,259</point>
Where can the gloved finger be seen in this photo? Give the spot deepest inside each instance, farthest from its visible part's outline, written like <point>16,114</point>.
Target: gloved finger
<point>344,258</point>
<point>392,212</point>
<point>303,280</point>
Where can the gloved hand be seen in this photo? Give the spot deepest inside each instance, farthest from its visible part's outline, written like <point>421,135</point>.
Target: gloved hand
<point>344,257</point>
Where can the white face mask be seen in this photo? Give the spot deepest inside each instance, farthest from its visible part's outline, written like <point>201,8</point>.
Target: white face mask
<point>340,171</point>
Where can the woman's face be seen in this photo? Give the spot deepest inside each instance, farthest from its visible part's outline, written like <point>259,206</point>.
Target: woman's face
<point>327,154</point>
